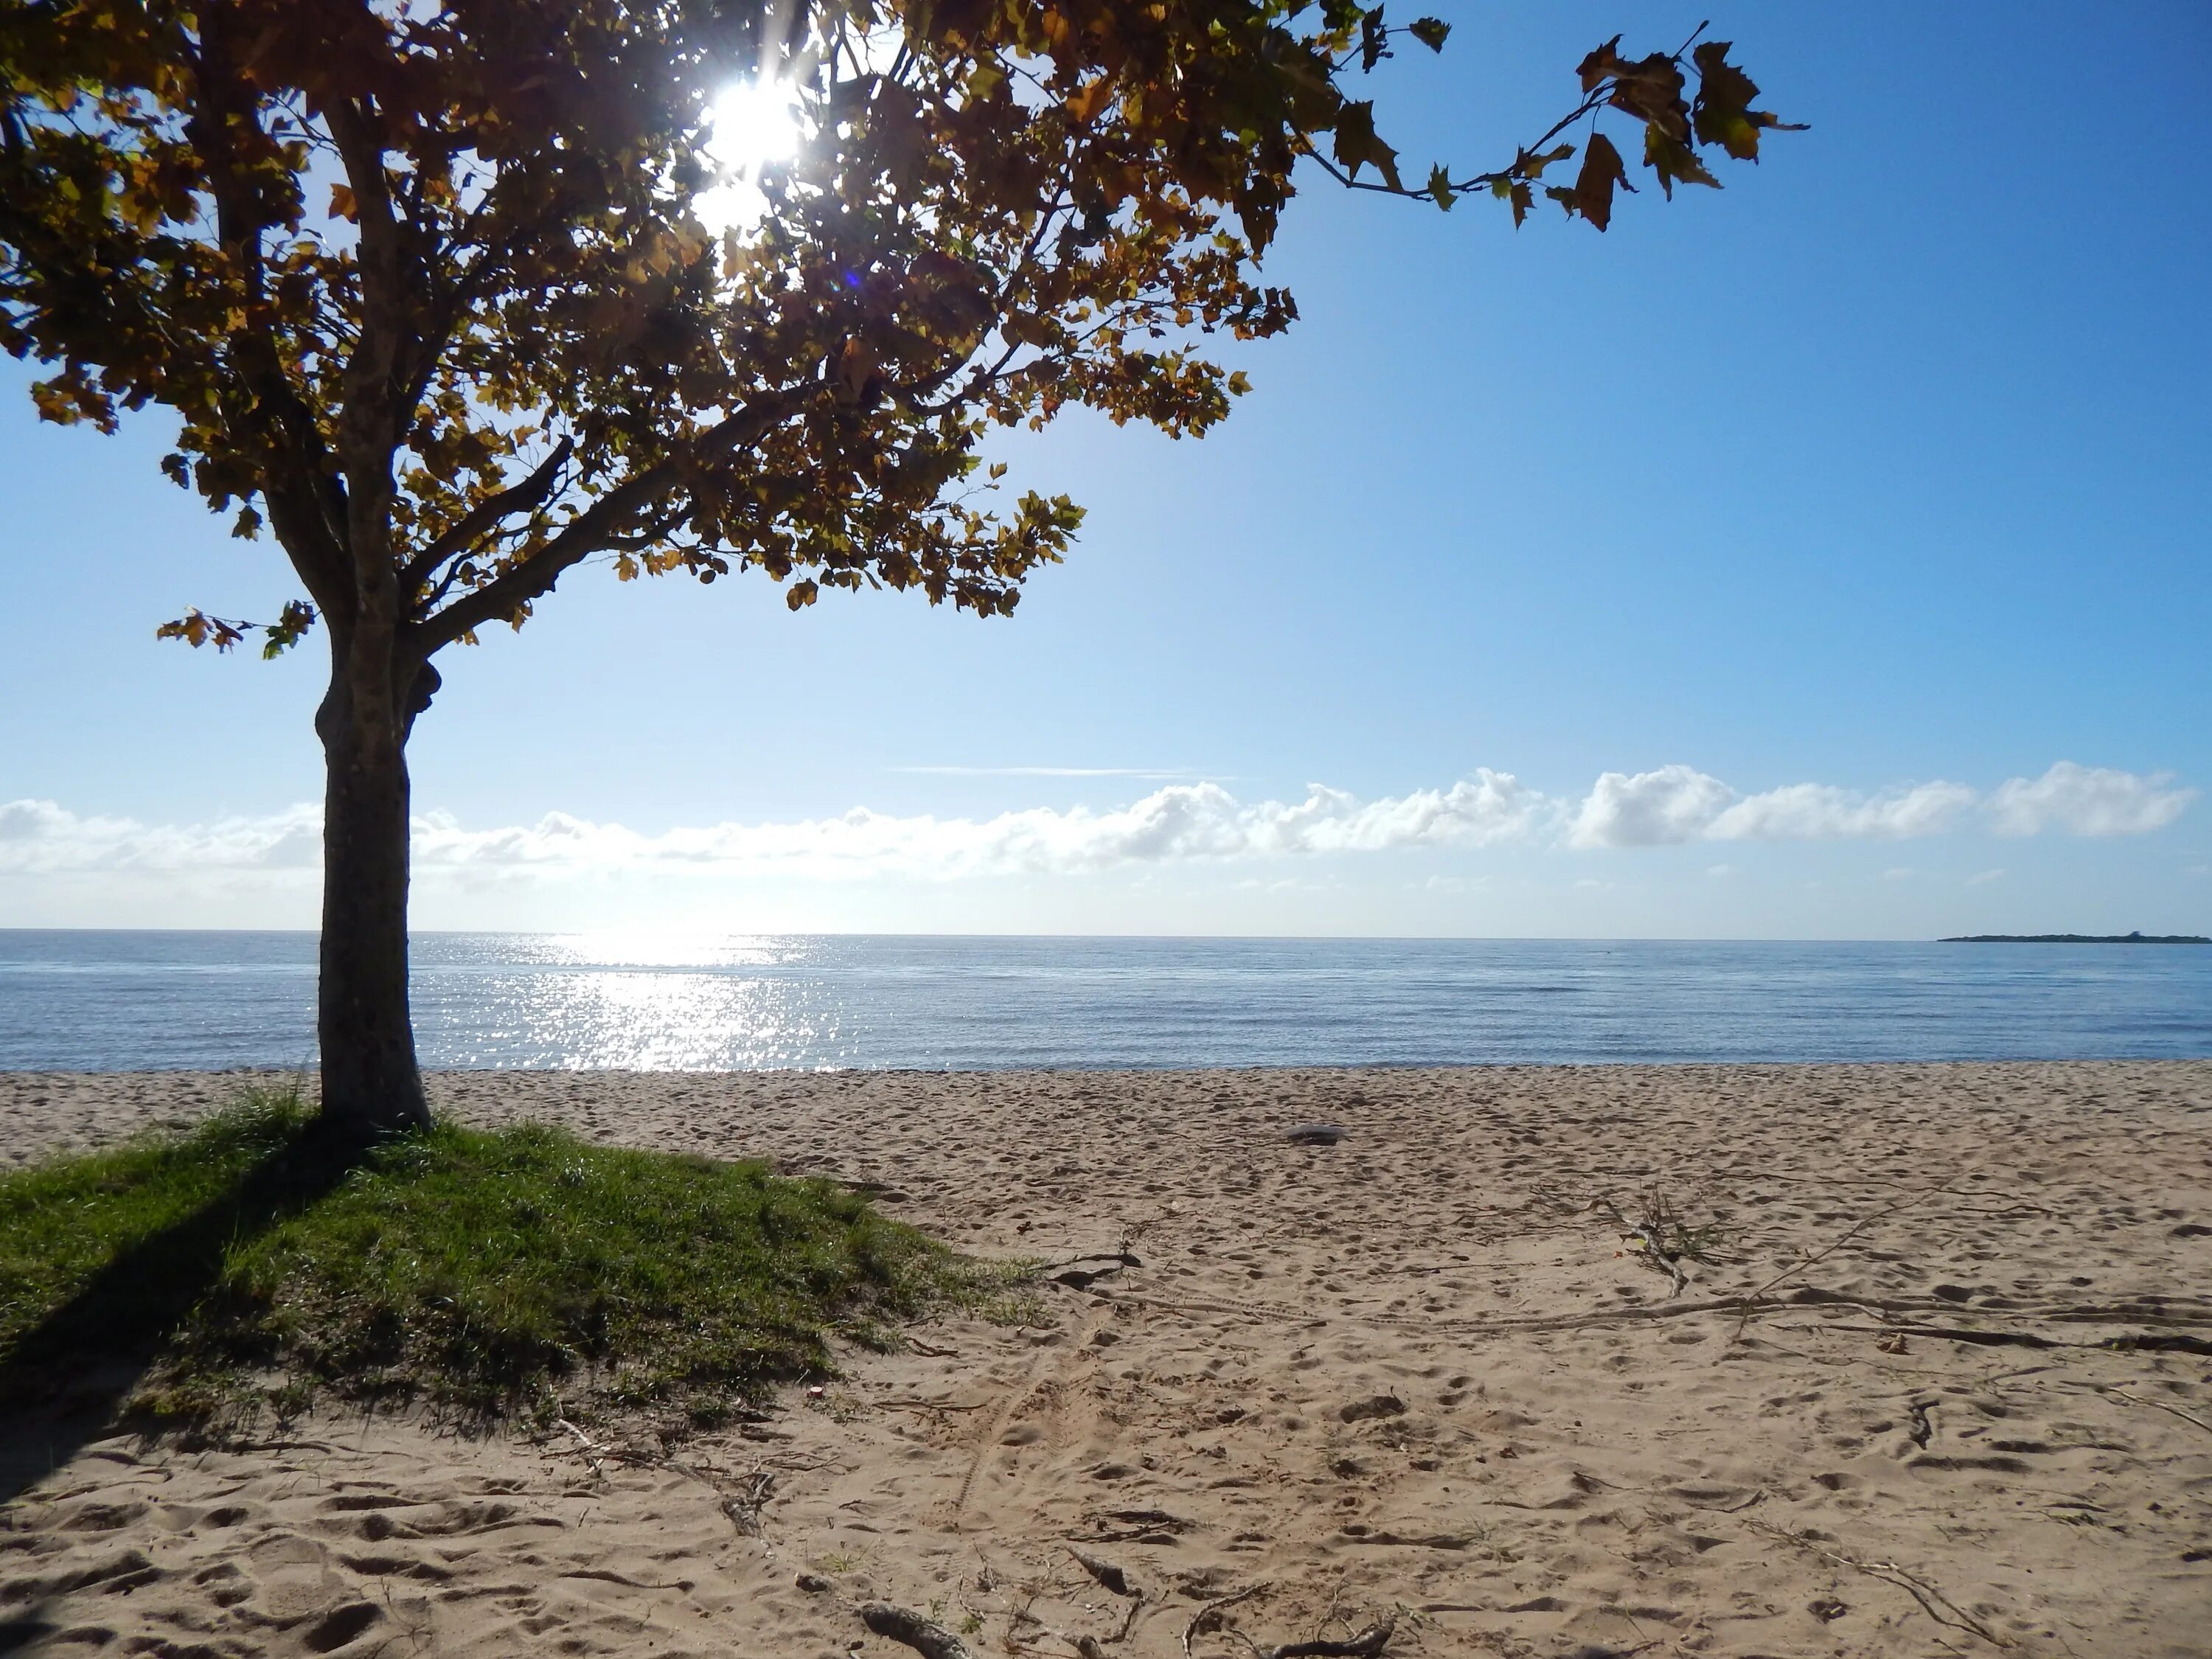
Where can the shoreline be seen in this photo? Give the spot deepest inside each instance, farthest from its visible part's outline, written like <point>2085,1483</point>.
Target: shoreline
<point>95,1107</point>
<point>1419,1369</point>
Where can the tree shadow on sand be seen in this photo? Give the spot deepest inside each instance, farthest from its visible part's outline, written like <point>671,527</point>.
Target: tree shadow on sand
<point>63,1383</point>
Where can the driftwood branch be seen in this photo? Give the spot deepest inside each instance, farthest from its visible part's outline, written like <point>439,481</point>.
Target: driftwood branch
<point>1123,1258</point>
<point>1106,1573</point>
<point>932,1641</point>
<point>1078,1278</point>
<point>1365,1645</point>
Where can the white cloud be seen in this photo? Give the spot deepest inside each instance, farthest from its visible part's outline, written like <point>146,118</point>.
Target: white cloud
<point>2087,800</point>
<point>1679,804</point>
<point>1983,878</point>
<point>1818,811</point>
<point>1651,809</point>
<point>40,837</point>
<point>1178,822</point>
<point>1181,822</point>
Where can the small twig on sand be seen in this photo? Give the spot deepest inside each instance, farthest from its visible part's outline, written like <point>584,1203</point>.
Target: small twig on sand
<point>2155,1405</point>
<point>1205,1617</point>
<point>932,1641</point>
<point>592,1450</point>
<point>1932,1601</point>
<point>1129,1618</point>
<point>1132,1527</point>
<point>1856,1228</point>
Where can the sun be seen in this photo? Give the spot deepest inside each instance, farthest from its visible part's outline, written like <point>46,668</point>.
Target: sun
<point>751,125</point>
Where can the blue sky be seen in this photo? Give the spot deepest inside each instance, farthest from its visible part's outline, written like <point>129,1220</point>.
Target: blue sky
<point>1881,469</point>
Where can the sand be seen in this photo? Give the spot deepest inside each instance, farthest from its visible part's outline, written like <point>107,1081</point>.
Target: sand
<point>1414,1374</point>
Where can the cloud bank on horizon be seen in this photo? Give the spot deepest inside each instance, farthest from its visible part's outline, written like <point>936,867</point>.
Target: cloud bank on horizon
<point>1183,822</point>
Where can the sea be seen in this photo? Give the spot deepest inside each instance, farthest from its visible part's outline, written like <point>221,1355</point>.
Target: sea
<point>100,1001</point>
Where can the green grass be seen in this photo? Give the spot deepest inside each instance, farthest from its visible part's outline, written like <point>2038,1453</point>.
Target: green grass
<point>484,1274</point>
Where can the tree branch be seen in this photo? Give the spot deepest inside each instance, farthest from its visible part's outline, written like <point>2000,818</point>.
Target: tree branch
<point>484,517</point>
<point>369,425</point>
<point>590,531</point>
<point>298,484</point>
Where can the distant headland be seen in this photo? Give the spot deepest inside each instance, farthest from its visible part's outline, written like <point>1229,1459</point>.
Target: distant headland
<point>2076,938</point>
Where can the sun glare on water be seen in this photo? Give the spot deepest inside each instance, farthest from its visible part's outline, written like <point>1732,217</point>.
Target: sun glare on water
<point>752,125</point>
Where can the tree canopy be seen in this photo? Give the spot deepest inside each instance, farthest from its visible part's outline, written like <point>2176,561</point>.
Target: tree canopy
<point>434,291</point>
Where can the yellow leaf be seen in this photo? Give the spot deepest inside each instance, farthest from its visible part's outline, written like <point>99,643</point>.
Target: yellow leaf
<point>1086,101</point>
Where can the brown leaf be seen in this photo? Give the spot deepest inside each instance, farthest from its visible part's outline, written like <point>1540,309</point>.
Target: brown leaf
<point>1601,170</point>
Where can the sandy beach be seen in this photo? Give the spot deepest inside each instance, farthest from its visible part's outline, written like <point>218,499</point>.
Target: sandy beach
<point>1420,1375</point>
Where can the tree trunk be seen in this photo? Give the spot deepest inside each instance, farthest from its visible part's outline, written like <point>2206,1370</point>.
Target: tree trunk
<point>371,1084</point>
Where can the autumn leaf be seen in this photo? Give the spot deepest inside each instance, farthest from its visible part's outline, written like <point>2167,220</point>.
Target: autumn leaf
<point>856,365</point>
<point>1673,162</point>
<point>196,629</point>
<point>1084,103</point>
<point>1721,114</point>
<point>1373,40</point>
<point>288,630</point>
<point>1356,144</point>
<point>1601,170</point>
<point>1528,166</point>
<point>985,79</point>
<point>1599,65</point>
<point>1431,32</point>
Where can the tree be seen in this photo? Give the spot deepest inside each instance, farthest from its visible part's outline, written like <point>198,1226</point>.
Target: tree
<point>452,298</point>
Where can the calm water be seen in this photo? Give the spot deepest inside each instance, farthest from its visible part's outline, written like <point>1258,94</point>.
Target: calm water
<point>116,1001</point>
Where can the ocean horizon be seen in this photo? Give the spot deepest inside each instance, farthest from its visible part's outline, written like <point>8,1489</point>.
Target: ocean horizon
<point>102,1000</point>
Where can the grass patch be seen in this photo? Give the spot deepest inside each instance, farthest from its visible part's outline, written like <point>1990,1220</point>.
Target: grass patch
<point>485,1274</point>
